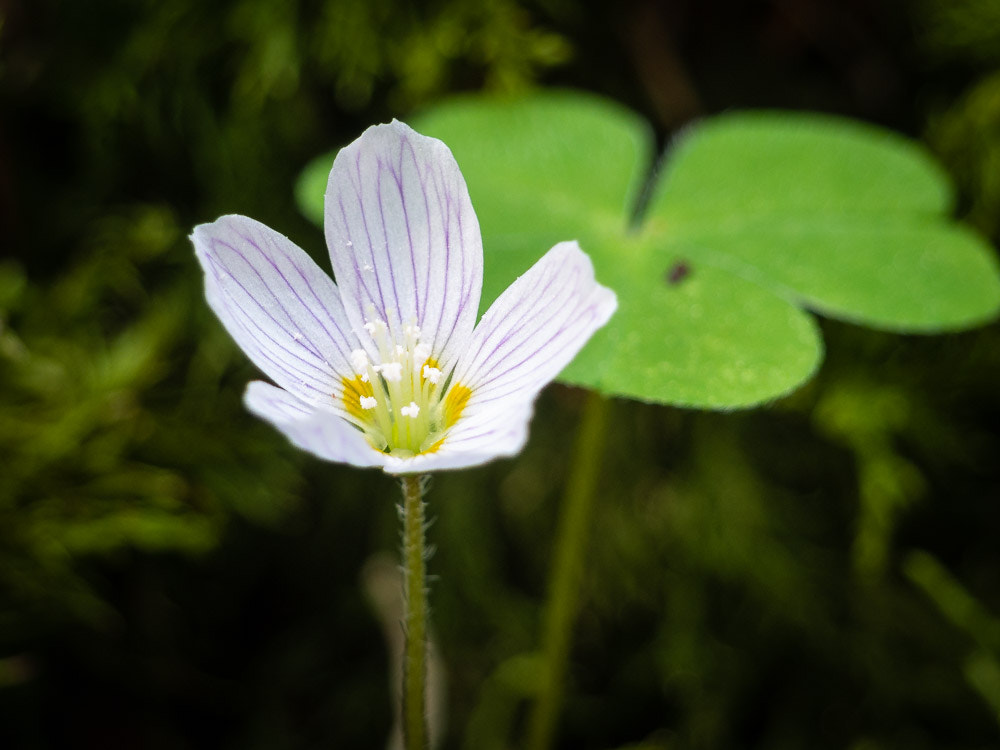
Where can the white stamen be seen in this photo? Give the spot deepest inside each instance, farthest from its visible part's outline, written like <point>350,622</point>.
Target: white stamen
<point>391,371</point>
<point>375,326</point>
<point>359,358</point>
<point>401,407</point>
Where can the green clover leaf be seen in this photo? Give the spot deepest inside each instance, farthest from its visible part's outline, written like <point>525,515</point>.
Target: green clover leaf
<point>753,218</point>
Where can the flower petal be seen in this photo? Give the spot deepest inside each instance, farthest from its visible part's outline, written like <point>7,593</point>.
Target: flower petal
<point>278,305</point>
<point>319,431</point>
<point>524,340</point>
<point>533,330</point>
<point>490,434</point>
<point>403,237</point>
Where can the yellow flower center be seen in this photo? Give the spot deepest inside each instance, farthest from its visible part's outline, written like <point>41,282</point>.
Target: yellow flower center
<point>404,404</point>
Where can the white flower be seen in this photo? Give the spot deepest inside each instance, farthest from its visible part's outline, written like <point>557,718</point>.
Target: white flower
<point>387,366</point>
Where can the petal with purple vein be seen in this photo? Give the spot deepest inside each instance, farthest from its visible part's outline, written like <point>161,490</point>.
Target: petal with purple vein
<point>403,237</point>
<point>278,305</point>
<point>319,431</point>
<point>533,330</point>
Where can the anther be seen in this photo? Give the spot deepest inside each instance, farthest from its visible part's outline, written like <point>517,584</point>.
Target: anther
<point>391,371</point>
<point>410,411</point>
<point>375,326</point>
<point>359,358</point>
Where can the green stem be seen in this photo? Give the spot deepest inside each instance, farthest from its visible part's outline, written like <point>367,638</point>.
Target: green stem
<point>564,583</point>
<point>415,616</point>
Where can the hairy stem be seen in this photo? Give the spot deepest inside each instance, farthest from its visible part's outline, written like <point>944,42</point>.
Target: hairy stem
<point>415,615</point>
<point>564,582</point>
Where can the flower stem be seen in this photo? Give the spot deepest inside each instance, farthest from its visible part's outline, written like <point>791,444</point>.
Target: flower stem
<point>564,582</point>
<point>415,614</point>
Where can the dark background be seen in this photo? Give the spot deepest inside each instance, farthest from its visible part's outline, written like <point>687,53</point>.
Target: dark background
<point>819,573</point>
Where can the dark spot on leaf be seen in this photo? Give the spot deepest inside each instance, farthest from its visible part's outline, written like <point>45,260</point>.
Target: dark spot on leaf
<point>678,272</point>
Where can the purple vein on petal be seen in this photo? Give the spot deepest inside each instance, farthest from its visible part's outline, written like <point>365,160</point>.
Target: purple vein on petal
<point>398,177</point>
<point>517,325</point>
<point>423,178</point>
<point>301,378</point>
<point>551,350</point>
<point>286,363</point>
<point>251,342</point>
<point>527,358</point>
<point>531,313</point>
<point>362,284</point>
<point>445,204</point>
<point>371,242</point>
<point>252,298</point>
<point>385,246</point>
<point>476,434</point>
<point>297,407</point>
<point>302,339</point>
<point>574,320</point>
<point>336,333</point>
<point>309,308</point>
<point>466,277</point>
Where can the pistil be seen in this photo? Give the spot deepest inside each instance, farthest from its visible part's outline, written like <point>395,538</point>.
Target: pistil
<point>398,401</point>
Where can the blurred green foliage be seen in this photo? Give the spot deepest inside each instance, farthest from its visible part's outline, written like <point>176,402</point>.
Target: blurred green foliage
<point>966,135</point>
<point>107,440</point>
<point>822,573</point>
<point>982,666</point>
<point>965,130</point>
